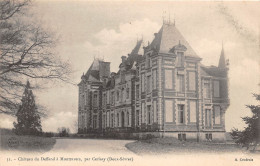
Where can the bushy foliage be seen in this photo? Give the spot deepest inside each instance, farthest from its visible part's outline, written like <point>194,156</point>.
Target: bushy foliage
<point>251,134</point>
<point>63,132</point>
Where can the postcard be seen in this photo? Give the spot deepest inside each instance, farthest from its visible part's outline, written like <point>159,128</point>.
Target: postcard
<point>129,82</point>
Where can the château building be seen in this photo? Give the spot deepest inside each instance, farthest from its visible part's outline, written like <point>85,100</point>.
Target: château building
<point>161,89</point>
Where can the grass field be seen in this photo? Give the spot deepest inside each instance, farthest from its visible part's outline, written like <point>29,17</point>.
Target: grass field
<point>9,141</point>
<point>157,146</point>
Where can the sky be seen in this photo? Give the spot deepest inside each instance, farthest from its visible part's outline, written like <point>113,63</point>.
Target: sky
<point>109,30</point>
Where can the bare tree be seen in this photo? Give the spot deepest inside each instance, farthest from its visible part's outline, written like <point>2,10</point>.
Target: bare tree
<point>26,51</point>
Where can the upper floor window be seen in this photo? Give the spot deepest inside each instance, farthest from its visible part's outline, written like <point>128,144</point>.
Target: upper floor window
<point>123,94</point>
<point>206,90</point>
<point>149,84</point>
<point>112,97</point>
<point>108,97</point>
<point>122,77</point>
<point>117,95</point>
<point>168,78</point>
<point>155,79</point>
<point>216,88</point>
<point>127,93</point>
<point>142,82</point>
<point>192,81</point>
<point>180,83</point>
<point>137,91</point>
<point>95,100</point>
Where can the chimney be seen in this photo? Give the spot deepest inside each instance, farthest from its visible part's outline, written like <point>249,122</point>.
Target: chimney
<point>123,59</point>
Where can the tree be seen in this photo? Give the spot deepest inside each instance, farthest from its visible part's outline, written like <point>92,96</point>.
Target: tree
<point>27,52</point>
<point>28,120</point>
<point>64,132</point>
<point>251,134</point>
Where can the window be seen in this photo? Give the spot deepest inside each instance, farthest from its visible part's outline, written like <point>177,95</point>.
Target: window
<point>104,121</point>
<point>193,113</point>
<point>117,95</point>
<point>142,82</point>
<point>95,121</point>
<point>149,115</point>
<point>122,77</point>
<point>95,100</point>
<point>112,97</point>
<point>123,94</point>
<point>148,62</point>
<point>118,119</point>
<point>149,84</point>
<point>108,97</point>
<point>154,79</point>
<point>181,113</point>
<point>86,99</point>
<point>206,90</point>
<point>143,112</point>
<point>192,81</point>
<point>127,93</point>
<point>208,136</point>
<point>182,137</point>
<point>137,118</point>
<point>217,117</point>
<point>104,98</point>
<point>168,79</point>
<point>180,83</point>
<point>155,111</point>
<point>180,59</point>
<point>169,110</point>
<point>137,91</point>
<point>216,89</point>
<point>108,120</point>
<point>112,120</point>
<point>208,118</point>
<point>128,119</point>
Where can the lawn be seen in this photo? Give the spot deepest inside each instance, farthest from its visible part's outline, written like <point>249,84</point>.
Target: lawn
<point>156,146</point>
<point>10,141</point>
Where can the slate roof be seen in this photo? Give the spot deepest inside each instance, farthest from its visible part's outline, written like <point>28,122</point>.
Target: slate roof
<point>214,71</point>
<point>168,37</point>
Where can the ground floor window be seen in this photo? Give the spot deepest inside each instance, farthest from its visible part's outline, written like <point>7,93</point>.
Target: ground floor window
<point>137,117</point>
<point>112,120</point>
<point>149,114</point>
<point>95,121</point>
<point>182,137</point>
<point>208,136</point>
<point>181,113</point>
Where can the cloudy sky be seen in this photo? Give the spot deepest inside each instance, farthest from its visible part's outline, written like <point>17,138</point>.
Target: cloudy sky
<point>110,29</point>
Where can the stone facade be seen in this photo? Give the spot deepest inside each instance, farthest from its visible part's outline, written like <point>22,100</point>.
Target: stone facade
<point>165,89</point>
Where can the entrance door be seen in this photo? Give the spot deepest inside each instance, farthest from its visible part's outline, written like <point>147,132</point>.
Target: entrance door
<point>122,119</point>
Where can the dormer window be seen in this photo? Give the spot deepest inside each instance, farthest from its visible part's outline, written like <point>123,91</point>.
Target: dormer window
<point>180,59</point>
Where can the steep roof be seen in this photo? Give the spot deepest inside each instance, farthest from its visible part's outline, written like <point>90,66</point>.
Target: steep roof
<point>168,37</point>
<point>138,48</point>
<point>95,71</point>
<point>222,59</point>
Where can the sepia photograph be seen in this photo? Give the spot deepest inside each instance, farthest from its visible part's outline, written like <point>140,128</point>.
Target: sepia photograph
<point>129,82</point>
